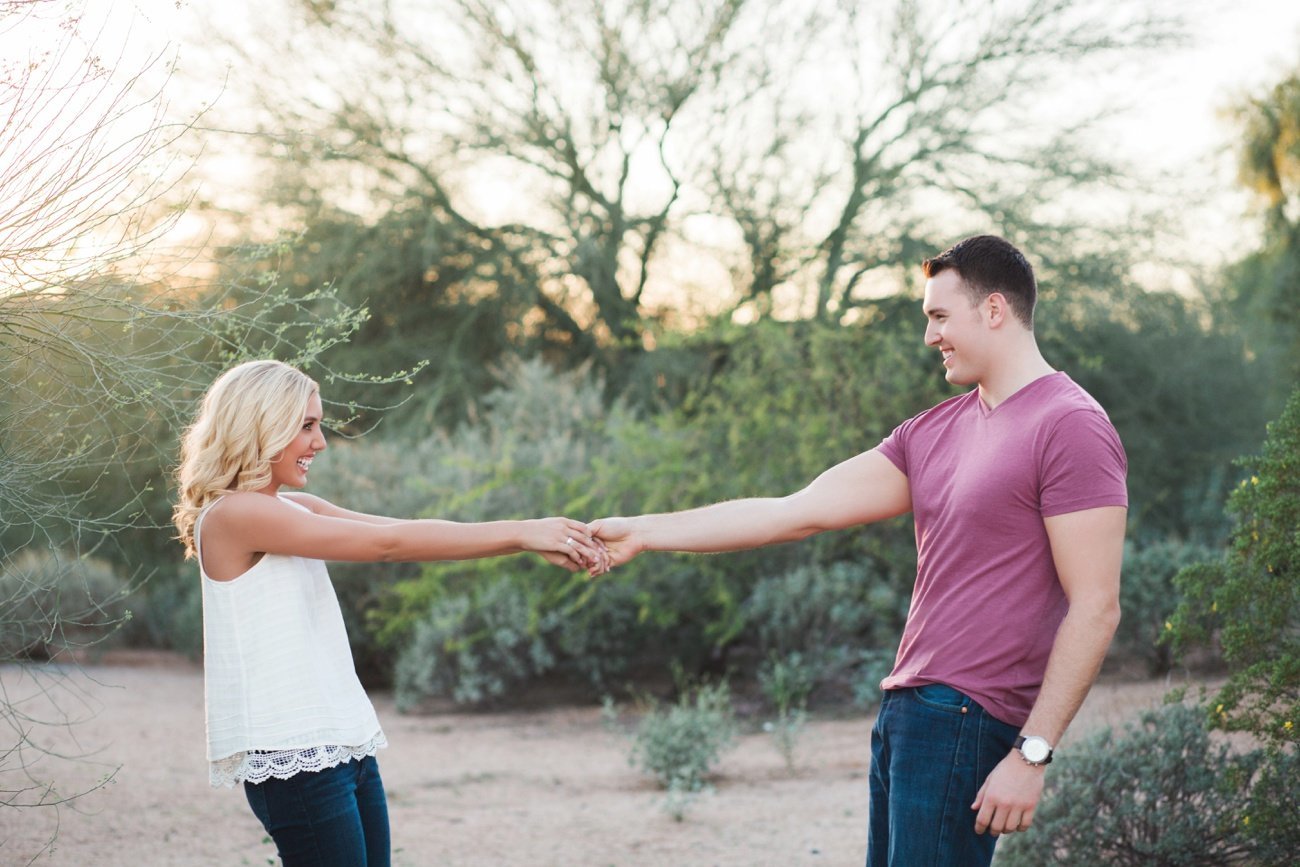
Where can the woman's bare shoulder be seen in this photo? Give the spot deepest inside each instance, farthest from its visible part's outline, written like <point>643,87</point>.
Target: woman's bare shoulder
<point>238,507</point>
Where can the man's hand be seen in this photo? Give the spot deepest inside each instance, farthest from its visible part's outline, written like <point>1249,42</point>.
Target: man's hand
<point>619,540</point>
<point>1007,800</point>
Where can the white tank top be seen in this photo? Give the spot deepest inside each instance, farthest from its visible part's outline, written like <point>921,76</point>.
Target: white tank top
<point>280,687</point>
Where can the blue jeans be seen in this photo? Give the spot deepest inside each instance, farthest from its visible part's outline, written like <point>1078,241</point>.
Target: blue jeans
<point>931,749</point>
<point>338,816</point>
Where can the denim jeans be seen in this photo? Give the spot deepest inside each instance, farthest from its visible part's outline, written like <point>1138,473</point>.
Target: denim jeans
<point>338,816</point>
<point>931,749</point>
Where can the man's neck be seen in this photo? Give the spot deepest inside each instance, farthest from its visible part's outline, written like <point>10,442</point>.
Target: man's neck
<point>1017,369</point>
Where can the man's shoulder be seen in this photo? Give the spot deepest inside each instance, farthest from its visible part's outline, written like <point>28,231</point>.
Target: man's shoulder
<point>1063,396</point>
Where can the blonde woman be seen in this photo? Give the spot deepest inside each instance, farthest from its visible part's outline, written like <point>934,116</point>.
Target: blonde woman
<point>286,715</point>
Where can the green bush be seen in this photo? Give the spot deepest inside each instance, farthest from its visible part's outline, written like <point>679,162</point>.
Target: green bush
<point>1162,793</point>
<point>53,602</point>
<point>168,613</point>
<point>1250,599</point>
<point>1275,809</point>
<point>873,667</point>
<point>679,744</point>
<point>1148,599</point>
<point>838,618</point>
<point>473,647</point>
<point>493,623</point>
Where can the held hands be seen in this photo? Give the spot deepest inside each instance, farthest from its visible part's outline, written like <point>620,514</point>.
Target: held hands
<point>1008,798</point>
<point>618,540</point>
<point>566,543</point>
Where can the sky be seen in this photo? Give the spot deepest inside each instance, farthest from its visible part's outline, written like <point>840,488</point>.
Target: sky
<point>1173,122</point>
<point>1237,48</point>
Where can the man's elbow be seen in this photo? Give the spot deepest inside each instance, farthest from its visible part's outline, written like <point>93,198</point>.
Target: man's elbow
<point>1105,615</point>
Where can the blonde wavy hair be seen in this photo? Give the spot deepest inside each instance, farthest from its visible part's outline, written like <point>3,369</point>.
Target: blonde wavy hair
<point>247,418</point>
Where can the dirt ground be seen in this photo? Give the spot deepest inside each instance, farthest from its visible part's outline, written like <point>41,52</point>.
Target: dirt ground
<point>543,788</point>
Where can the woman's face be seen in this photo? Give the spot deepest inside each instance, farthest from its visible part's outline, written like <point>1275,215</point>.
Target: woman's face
<point>290,467</point>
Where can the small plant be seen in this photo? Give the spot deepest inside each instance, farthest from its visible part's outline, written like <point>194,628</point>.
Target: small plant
<point>679,744</point>
<point>786,682</point>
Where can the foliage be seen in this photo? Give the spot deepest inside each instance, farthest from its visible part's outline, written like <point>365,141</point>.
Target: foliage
<point>786,683</point>
<point>1179,387</point>
<point>1275,809</point>
<point>1261,286</point>
<point>534,451</point>
<point>1250,600</point>
<point>1161,793</point>
<point>473,647</point>
<point>54,603</point>
<point>679,744</point>
<point>1148,599</point>
<point>836,619</point>
<point>874,667</point>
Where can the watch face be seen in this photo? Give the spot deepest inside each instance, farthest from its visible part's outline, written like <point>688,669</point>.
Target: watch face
<point>1035,749</point>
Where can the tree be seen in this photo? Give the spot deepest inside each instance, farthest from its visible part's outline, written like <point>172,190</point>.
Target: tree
<point>1261,286</point>
<point>101,354</point>
<point>588,145</point>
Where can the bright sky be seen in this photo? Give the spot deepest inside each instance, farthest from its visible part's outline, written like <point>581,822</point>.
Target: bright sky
<point>1174,124</point>
<point>1238,47</point>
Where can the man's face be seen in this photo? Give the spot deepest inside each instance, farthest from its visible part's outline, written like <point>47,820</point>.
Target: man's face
<point>956,327</point>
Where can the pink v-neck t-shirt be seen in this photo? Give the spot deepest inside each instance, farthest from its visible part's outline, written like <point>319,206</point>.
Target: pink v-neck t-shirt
<point>987,601</point>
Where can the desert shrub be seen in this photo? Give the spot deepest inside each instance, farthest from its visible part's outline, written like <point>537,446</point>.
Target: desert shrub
<point>1249,600</point>
<point>53,602</point>
<point>1148,598</point>
<point>679,744</point>
<point>472,647</point>
<point>168,613</point>
<point>534,451</point>
<point>1161,793</point>
<point>1274,818</point>
<point>873,667</point>
<point>786,683</point>
<point>839,618</point>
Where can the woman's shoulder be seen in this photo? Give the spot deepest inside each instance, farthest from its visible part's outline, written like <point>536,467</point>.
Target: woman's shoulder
<point>236,507</point>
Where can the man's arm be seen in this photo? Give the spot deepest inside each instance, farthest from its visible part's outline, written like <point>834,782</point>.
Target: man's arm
<point>1088,550</point>
<point>862,489</point>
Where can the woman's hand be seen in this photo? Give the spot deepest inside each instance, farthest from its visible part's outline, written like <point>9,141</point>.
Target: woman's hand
<point>566,543</point>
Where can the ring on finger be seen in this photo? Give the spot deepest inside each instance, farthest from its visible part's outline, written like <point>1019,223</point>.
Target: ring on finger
<point>568,540</point>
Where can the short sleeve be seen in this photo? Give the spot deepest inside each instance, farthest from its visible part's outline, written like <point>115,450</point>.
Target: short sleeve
<point>894,446</point>
<point>1084,465</point>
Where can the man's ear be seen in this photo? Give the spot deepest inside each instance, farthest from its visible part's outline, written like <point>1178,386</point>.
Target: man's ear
<point>997,308</point>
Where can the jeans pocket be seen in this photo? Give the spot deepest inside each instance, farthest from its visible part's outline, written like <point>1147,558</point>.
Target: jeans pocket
<point>940,696</point>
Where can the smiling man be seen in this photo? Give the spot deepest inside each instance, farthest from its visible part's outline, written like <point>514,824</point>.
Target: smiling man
<point>1017,490</point>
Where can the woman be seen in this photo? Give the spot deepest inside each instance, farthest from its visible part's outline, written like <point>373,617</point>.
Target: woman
<point>286,715</point>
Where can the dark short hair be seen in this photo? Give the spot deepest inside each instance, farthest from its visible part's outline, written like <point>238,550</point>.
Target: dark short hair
<point>988,264</point>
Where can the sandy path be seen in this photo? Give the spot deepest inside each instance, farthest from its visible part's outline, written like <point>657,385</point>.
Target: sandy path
<point>537,788</point>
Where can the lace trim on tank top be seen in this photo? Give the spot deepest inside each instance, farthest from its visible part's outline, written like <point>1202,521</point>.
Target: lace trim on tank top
<point>258,766</point>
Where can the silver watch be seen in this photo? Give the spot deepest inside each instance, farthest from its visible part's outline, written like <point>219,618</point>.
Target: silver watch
<point>1034,750</point>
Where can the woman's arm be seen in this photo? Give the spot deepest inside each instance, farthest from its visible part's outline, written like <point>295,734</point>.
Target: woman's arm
<point>246,524</point>
<point>325,507</point>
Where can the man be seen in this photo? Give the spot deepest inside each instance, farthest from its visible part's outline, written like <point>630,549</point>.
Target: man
<point>1017,490</point>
